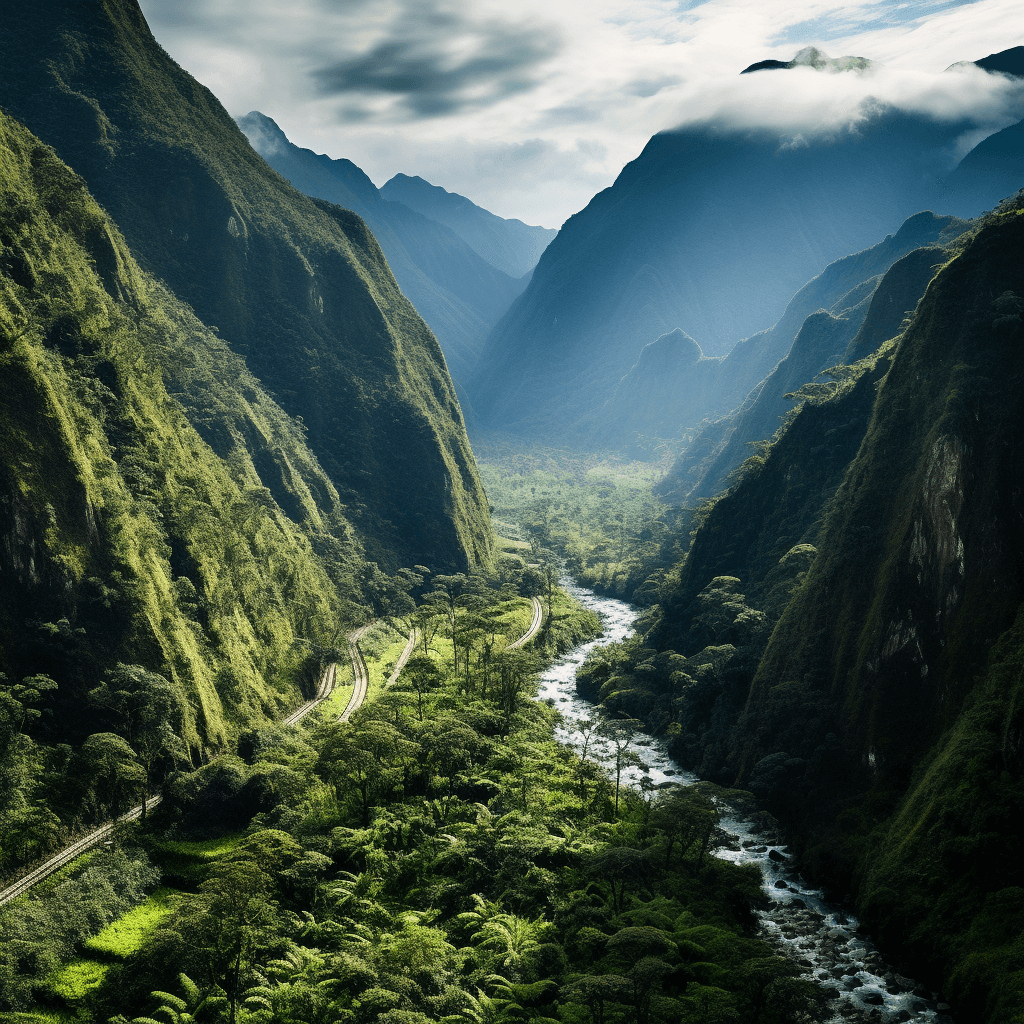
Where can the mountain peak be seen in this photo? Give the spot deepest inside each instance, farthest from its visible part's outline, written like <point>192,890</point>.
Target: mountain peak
<point>1006,62</point>
<point>812,57</point>
<point>263,130</point>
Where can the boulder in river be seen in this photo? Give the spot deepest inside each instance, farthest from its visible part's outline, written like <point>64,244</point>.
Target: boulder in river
<point>775,856</point>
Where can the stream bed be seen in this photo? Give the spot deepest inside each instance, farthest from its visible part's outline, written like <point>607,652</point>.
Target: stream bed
<point>824,940</point>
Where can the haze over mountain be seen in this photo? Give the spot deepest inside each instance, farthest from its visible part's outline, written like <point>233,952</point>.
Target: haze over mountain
<point>510,245</point>
<point>459,293</point>
<point>710,230</point>
<point>848,310</point>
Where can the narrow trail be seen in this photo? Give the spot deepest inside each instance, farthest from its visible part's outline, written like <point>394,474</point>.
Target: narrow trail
<point>535,624</point>
<point>98,835</point>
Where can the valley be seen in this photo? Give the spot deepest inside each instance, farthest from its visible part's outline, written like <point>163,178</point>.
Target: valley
<point>415,615</point>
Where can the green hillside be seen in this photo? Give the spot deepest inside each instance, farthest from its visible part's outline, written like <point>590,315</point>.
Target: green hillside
<point>299,288</point>
<point>843,636</point>
<point>143,561</point>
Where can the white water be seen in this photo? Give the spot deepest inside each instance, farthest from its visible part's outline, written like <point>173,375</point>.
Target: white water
<point>823,940</point>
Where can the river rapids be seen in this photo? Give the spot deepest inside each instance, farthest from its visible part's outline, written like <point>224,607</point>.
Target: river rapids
<point>827,942</point>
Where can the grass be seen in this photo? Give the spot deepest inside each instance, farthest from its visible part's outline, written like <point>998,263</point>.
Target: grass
<point>75,981</point>
<point>508,545</point>
<point>201,849</point>
<point>127,934</point>
<point>189,859</point>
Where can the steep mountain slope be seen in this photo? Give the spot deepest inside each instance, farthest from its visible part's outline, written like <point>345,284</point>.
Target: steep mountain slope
<point>710,231</point>
<point>125,535</point>
<point>854,327</point>
<point>669,396</point>
<point>298,287</point>
<point>510,245</point>
<point>992,170</point>
<point>880,714</point>
<point>459,293</point>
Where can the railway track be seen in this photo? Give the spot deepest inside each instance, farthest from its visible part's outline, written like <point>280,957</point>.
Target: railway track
<point>535,624</point>
<point>69,853</point>
<point>360,674</point>
<point>404,657</point>
<point>98,835</point>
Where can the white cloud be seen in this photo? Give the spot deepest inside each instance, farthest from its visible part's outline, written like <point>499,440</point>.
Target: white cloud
<point>531,113</point>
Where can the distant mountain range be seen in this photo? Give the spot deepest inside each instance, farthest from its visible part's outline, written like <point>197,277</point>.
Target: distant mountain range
<point>510,245</point>
<point>711,231</point>
<point>459,265</point>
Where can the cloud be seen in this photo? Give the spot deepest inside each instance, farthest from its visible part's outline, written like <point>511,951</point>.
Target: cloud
<point>802,100</point>
<point>530,108</point>
<point>439,62</point>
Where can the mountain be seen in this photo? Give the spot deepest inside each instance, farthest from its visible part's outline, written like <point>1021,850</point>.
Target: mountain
<point>510,245</point>
<point>899,659</point>
<point>858,302</point>
<point>668,397</point>
<point>844,636</point>
<point>458,292</point>
<point>812,57</point>
<point>297,287</point>
<point>157,508</point>
<point>992,170</point>
<point>710,230</point>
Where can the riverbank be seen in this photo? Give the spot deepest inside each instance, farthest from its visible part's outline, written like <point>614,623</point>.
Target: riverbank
<point>826,942</point>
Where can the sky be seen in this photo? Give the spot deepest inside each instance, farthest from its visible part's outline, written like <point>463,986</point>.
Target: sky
<point>530,108</point>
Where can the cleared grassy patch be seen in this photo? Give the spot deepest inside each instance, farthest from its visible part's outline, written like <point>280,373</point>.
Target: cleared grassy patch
<point>510,545</point>
<point>189,859</point>
<point>75,981</point>
<point>201,849</point>
<point>126,935</point>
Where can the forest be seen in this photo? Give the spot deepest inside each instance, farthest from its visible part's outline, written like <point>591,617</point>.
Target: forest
<point>371,663</point>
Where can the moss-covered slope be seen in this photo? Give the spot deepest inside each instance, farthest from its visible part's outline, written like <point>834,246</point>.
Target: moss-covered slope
<point>895,672</point>
<point>124,535</point>
<point>298,287</point>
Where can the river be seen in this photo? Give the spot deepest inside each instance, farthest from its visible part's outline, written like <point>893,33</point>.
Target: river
<point>823,939</point>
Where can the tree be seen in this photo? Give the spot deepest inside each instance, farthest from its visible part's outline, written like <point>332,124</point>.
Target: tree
<point>148,711</point>
<point>229,924</point>
<point>114,770</point>
<point>687,817</point>
<point>619,735</point>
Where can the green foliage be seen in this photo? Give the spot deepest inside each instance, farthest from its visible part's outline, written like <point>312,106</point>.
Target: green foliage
<point>596,512</point>
<point>439,860</point>
<point>156,586</point>
<point>297,287</point>
<point>125,936</point>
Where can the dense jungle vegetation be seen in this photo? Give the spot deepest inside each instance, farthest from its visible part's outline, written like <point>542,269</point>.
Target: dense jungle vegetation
<point>438,857</point>
<point>594,513</point>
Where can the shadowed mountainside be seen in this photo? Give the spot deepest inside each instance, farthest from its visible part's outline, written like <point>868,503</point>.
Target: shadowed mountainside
<point>510,245</point>
<point>709,231</point>
<point>458,292</point>
<point>298,287</point>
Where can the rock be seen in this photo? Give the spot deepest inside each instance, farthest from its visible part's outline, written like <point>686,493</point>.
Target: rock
<point>870,996</point>
<point>903,1015</point>
<point>918,1005</point>
<point>775,856</point>
<point>781,884</point>
<point>797,903</point>
<point>830,992</point>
